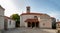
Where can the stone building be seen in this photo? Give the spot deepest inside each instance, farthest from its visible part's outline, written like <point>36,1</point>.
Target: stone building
<point>58,25</point>
<point>30,19</point>
<point>9,23</point>
<point>1,18</point>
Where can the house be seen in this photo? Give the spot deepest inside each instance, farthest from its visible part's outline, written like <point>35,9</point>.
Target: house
<point>38,20</point>
<point>58,25</point>
<point>9,23</point>
<point>1,17</point>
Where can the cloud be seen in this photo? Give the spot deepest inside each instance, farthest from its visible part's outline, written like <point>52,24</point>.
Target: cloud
<point>10,8</point>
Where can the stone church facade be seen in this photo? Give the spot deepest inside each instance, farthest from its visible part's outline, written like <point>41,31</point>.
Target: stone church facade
<point>38,20</point>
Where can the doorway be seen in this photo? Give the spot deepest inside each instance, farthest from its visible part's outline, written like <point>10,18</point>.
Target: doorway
<point>29,24</point>
<point>33,24</point>
<point>5,25</point>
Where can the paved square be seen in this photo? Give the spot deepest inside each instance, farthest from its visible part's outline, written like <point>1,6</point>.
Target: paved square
<point>27,30</point>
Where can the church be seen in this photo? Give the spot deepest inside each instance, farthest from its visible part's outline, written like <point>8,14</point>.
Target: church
<point>38,20</point>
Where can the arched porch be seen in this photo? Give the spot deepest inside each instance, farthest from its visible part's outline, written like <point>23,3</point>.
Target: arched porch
<point>32,23</point>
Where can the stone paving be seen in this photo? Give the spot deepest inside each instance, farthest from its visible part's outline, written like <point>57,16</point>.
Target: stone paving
<point>26,30</point>
<point>50,30</point>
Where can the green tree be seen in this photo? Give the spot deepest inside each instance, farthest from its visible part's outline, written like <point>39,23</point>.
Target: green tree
<point>16,17</point>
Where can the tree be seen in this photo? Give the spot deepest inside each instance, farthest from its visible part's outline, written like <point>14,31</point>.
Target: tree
<point>16,17</point>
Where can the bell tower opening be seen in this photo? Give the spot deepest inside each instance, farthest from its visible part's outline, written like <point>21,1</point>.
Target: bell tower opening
<point>28,9</point>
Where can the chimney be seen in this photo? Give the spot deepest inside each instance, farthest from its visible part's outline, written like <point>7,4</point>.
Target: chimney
<point>28,9</point>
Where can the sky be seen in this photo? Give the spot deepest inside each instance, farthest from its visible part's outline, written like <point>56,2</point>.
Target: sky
<point>50,7</point>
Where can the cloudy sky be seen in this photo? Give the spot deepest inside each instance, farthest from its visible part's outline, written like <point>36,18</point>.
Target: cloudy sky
<point>50,7</point>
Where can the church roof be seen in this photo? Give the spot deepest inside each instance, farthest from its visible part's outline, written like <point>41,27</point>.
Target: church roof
<point>33,14</point>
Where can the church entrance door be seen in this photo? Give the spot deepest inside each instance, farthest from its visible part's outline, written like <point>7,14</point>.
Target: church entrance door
<point>33,24</point>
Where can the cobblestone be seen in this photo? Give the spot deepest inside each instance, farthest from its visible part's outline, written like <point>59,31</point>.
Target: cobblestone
<point>26,30</point>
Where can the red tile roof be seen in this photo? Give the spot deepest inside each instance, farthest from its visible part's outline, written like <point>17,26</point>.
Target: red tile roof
<point>31,14</point>
<point>31,20</point>
<point>7,17</point>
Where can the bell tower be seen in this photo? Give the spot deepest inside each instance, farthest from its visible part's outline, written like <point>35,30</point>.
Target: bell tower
<point>28,9</point>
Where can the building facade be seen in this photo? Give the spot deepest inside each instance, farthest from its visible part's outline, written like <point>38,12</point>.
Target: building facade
<point>1,17</point>
<point>40,20</point>
<point>9,23</point>
<point>58,25</point>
